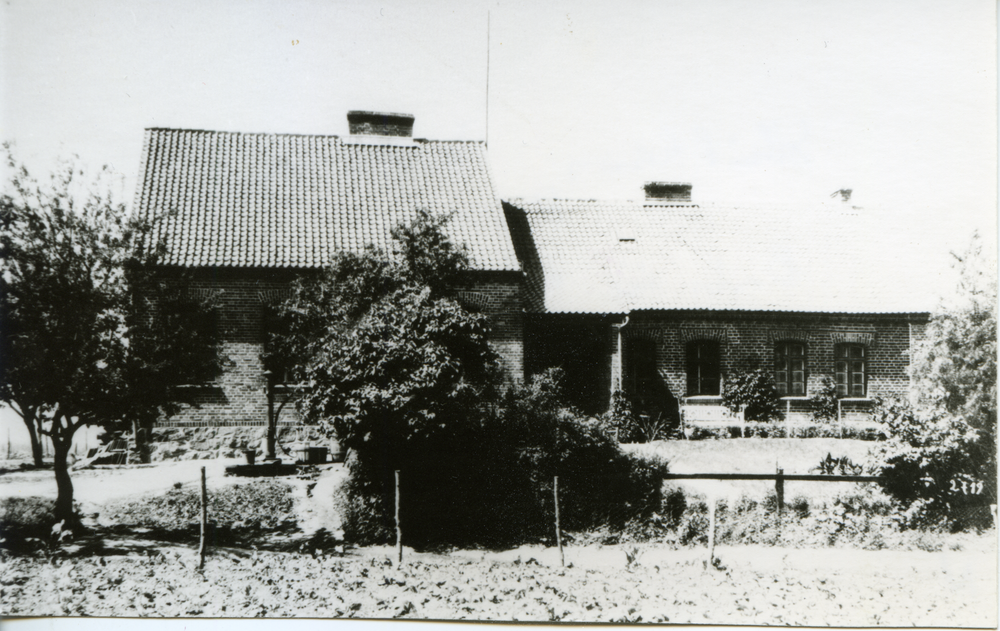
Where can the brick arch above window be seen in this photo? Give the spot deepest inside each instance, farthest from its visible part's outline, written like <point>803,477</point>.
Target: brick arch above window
<point>643,333</point>
<point>865,338</point>
<point>274,296</point>
<point>789,335</point>
<point>473,300</point>
<point>692,334</point>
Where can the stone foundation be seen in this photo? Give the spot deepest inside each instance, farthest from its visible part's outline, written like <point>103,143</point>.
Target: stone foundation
<point>203,443</point>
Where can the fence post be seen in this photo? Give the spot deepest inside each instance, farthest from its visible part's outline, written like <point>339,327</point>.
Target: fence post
<point>711,531</point>
<point>779,489</point>
<point>555,497</point>
<point>399,528</point>
<point>204,521</point>
<point>840,418</point>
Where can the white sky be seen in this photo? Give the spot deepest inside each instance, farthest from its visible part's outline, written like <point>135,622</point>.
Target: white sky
<point>750,101</point>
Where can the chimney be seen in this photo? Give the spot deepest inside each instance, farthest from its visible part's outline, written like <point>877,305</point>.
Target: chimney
<point>362,123</point>
<point>668,192</point>
<point>845,194</point>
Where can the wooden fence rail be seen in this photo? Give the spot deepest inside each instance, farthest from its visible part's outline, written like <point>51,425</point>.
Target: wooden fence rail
<point>779,479</point>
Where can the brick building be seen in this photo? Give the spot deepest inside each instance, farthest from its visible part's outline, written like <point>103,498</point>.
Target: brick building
<point>246,213</point>
<point>660,298</point>
<point>663,298</point>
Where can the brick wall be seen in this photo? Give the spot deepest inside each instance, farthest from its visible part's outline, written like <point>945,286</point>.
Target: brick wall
<point>498,296</point>
<point>238,397</point>
<point>748,340</point>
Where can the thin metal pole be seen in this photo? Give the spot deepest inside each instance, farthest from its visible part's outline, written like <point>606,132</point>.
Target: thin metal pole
<point>204,521</point>
<point>555,497</point>
<point>486,141</point>
<point>399,529</point>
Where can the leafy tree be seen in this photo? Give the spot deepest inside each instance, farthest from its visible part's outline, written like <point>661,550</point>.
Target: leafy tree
<point>90,335</point>
<point>954,368</point>
<point>387,354</point>
<point>942,444</point>
<point>406,379</point>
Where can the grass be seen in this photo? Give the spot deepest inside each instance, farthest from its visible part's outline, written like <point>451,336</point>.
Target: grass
<point>751,455</point>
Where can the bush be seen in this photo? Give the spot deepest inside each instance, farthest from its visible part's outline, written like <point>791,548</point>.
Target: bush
<point>24,521</point>
<point>490,482</point>
<point>620,420</point>
<point>823,401</point>
<point>837,466</point>
<point>754,393</point>
<point>935,466</point>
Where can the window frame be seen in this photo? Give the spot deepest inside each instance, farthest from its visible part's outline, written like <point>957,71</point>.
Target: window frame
<point>850,382</point>
<point>282,373</point>
<point>698,364</point>
<point>784,358</point>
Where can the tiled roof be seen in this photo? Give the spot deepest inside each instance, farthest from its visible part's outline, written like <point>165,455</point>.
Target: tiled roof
<point>269,200</point>
<point>617,257</point>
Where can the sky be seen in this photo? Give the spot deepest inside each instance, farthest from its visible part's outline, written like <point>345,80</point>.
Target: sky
<point>751,102</point>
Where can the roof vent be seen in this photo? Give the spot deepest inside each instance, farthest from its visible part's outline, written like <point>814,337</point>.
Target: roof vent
<point>667,192</point>
<point>361,123</point>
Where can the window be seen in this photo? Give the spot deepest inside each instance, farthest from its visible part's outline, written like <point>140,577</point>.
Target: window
<point>200,336</point>
<point>850,369</point>
<point>790,369</point>
<point>703,374</point>
<point>279,365</point>
<point>640,366</point>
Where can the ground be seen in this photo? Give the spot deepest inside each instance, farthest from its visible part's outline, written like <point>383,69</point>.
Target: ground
<point>651,582</point>
<point>757,586</point>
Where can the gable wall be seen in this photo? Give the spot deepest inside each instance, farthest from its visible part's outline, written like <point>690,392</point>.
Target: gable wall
<point>238,397</point>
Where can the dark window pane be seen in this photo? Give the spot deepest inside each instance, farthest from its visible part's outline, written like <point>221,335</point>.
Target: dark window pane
<point>703,368</point>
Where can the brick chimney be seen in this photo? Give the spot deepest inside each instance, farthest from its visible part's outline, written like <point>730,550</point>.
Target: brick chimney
<point>361,123</point>
<point>668,192</point>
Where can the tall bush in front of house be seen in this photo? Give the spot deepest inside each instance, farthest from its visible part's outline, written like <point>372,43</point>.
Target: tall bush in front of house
<point>823,400</point>
<point>940,457</point>
<point>753,392</point>
<point>405,378</point>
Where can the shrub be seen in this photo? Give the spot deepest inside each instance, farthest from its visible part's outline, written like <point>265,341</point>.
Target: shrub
<point>24,521</point>
<point>837,466</point>
<point>490,482</point>
<point>754,393</point>
<point>823,402</point>
<point>934,466</point>
<point>620,420</point>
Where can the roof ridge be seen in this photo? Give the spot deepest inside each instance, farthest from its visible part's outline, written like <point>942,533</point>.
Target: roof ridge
<point>293,135</point>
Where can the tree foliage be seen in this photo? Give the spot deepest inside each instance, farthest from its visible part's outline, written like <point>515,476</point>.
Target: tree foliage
<point>88,335</point>
<point>941,453</point>
<point>405,378</point>
<point>954,368</point>
<point>387,354</point>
